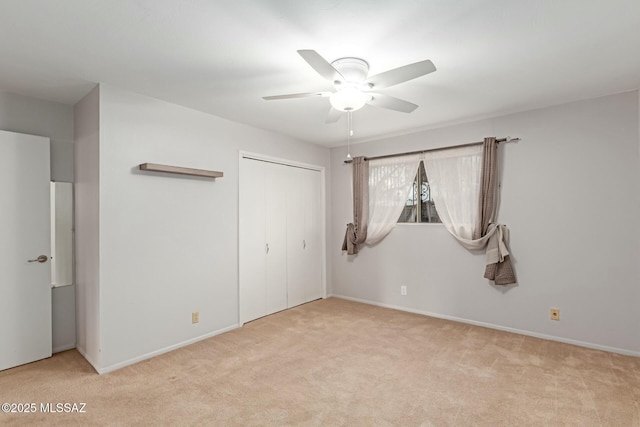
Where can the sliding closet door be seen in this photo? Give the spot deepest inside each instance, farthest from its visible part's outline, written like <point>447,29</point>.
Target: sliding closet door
<point>252,240</point>
<point>275,214</point>
<point>304,256</point>
<point>280,240</point>
<point>313,236</point>
<point>262,239</point>
<point>296,243</point>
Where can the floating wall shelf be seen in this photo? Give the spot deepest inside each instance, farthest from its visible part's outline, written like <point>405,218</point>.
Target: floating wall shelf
<point>154,167</point>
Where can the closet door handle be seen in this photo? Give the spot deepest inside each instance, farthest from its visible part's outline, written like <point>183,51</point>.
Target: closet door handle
<point>266,248</point>
<point>304,244</point>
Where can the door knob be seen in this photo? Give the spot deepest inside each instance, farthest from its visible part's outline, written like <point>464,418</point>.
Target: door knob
<point>41,258</point>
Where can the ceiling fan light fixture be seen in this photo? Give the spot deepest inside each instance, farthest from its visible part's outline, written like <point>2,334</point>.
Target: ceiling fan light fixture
<point>349,99</point>
<point>353,85</point>
<point>354,70</point>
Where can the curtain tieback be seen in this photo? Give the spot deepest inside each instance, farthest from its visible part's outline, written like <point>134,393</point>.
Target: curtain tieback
<point>497,245</point>
<point>349,243</point>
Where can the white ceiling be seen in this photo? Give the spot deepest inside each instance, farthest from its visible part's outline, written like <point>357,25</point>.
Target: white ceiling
<point>221,56</point>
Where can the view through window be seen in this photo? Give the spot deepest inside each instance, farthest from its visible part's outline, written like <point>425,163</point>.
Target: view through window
<point>420,207</point>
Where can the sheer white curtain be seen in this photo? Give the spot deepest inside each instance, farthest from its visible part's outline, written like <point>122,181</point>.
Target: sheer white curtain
<point>463,182</point>
<point>454,178</point>
<point>389,182</point>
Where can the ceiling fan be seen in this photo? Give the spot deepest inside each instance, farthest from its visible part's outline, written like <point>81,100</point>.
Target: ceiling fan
<point>354,88</point>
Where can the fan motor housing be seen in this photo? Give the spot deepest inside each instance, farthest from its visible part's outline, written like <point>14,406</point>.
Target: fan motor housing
<point>354,70</point>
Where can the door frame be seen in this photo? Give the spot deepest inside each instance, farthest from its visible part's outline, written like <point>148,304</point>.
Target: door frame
<point>323,211</point>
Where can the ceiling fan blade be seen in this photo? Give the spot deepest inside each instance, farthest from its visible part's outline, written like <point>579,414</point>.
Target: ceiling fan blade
<point>297,95</point>
<point>391,103</point>
<point>318,63</point>
<point>333,116</point>
<point>401,74</point>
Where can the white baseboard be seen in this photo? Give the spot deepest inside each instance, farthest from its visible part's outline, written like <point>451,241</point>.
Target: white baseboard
<point>146,356</point>
<point>498,327</point>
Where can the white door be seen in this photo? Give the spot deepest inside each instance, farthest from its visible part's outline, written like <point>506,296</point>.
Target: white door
<point>280,241</point>
<point>304,260</point>
<point>275,213</point>
<point>252,244</point>
<point>25,284</point>
<point>313,235</point>
<point>262,239</point>
<point>296,238</point>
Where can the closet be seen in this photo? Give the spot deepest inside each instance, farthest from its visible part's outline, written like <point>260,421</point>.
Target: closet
<point>280,236</point>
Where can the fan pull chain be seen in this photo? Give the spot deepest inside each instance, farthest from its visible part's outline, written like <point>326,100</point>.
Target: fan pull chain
<point>349,134</point>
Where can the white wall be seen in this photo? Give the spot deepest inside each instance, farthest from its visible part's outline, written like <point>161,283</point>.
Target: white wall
<point>55,121</point>
<point>168,244</point>
<point>571,198</point>
<point>44,118</point>
<point>87,221</point>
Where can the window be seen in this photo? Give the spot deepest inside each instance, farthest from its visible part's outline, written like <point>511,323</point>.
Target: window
<point>419,207</point>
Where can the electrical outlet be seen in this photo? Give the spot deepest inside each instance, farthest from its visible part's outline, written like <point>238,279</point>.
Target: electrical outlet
<point>403,290</point>
<point>555,314</point>
<point>195,317</point>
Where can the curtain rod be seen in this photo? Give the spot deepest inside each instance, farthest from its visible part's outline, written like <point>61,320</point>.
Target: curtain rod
<point>498,140</point>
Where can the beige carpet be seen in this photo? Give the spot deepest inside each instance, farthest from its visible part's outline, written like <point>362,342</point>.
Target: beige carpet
<point>340,363</point>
